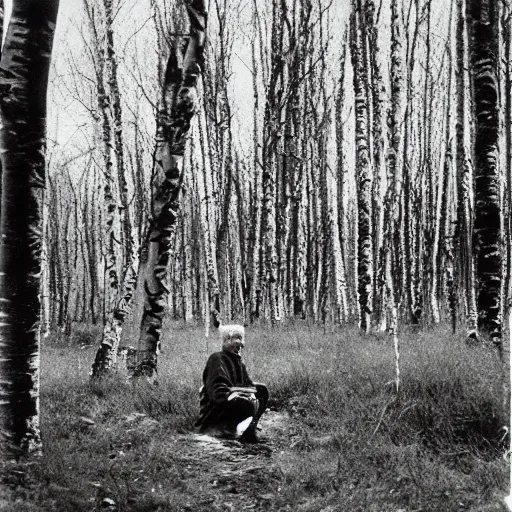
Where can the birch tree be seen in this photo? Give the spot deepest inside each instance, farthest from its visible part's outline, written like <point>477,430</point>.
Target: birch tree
<point>179,103</point>
<point>121,253</point>
<point>364,174</point>
<point>272,139</point>
<point>24,68</point>
<point>507,94</point>
<point>394,123</point>
<point>484,54</point>
<point>464,174</point>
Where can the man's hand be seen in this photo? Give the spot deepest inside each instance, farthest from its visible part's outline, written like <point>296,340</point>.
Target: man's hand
<point>241,394</point>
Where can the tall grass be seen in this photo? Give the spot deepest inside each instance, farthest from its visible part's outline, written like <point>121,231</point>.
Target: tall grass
<point>353,444</point>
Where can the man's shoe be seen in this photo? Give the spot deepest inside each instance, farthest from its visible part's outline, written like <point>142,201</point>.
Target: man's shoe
<point>227,433</point>
<point>249,438</point>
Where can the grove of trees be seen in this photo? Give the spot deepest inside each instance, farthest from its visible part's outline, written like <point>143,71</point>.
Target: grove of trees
<point>369,177</point>
<point>289,160</point>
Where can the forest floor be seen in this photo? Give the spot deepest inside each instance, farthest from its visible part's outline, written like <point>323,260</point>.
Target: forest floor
<point>337,436</point>
<point>226,475</point>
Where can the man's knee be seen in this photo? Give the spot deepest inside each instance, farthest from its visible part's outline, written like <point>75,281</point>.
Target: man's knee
<point>242,408</point>
<point>261,392</point>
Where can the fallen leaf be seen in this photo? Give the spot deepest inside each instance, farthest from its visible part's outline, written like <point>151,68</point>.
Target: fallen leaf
<point>108,502</point>
<point>134,416</point>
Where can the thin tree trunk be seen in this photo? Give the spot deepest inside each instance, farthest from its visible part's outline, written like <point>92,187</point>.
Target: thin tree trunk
<point>394,120</point>
<point>121,254</point>
<point>464,211</point>
<point>364,178</point>
<point>507,94</point>
<point>379,147</point>
<point>206,213</point>
<point>271,143</point>
<point>254,247</point>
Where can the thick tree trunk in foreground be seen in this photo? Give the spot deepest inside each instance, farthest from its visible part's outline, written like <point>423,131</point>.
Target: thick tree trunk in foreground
<point>179,104</point>
<point>484,47</point>
<point>24,71</point>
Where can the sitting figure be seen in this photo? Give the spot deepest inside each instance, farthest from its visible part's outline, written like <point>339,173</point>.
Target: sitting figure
<point>229,398</point>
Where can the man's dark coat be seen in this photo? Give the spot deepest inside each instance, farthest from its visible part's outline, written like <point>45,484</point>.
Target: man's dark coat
<point>223,371</point>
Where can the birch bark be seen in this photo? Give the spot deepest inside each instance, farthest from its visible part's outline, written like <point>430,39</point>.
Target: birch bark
<point>484,49</point>
<point>24,68</point>
<point>179,105</point>
<point>364,177</point>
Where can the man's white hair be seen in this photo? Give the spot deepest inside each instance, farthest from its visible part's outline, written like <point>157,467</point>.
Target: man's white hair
<point>228,332</point>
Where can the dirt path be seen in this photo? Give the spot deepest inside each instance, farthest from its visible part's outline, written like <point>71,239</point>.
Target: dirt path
<point>230,476</point>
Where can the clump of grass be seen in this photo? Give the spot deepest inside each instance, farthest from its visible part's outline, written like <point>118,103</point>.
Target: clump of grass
<point>175,404</point>
<point>423,448</point>
<point>448,394</point>
<point>445,414</point>
<point>451,397</point>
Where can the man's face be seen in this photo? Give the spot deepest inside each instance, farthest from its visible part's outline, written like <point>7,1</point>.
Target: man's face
<point>233,344</point>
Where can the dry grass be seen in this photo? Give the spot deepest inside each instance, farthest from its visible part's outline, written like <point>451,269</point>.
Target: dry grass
<point>355,445</point>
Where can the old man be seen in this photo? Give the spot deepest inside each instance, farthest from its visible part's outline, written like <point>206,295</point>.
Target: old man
<point>230,402</point>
